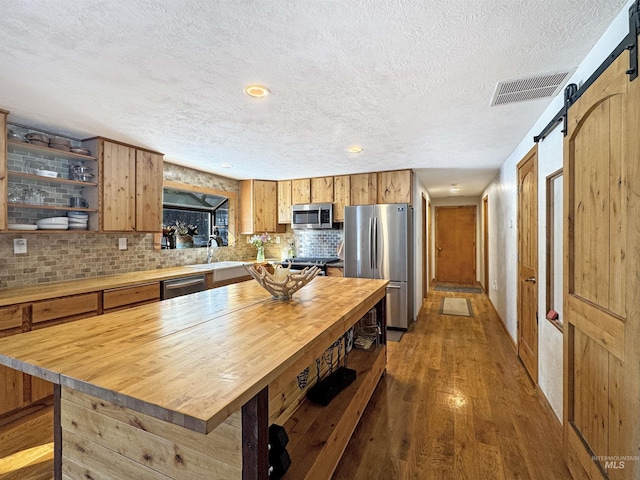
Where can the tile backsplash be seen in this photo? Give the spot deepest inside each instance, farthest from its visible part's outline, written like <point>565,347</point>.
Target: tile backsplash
<point>317,243</point>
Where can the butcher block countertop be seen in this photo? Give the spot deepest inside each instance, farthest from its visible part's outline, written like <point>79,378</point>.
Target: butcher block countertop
<point>47,291</point>
<point>193,360</point>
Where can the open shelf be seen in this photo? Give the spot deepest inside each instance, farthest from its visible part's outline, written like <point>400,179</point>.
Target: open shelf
<point>318,435</point>
<point>62,181</point>
<point>52,207</point>
<point>50,151</point>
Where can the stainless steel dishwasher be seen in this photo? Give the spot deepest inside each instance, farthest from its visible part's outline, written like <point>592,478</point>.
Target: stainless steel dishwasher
<point>183,286</point>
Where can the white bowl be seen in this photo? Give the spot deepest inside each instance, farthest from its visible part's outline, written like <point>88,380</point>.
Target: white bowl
<point>60,221</point>
<point>77,215</point>
<point>73,226</point>
<point>22,226</point>
<point>53,227</point>
<point>46,173</point>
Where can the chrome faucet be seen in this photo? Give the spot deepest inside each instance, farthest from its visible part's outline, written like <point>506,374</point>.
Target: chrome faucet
<point>210,246</point>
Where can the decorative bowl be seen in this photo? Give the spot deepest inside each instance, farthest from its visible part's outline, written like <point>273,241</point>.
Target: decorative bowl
<point>282,284</point>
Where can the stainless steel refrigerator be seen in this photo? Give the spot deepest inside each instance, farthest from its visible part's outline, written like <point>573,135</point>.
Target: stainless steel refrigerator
<point>378,243</point>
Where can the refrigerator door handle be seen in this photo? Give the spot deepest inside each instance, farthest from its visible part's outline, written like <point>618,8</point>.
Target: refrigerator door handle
<point>375,240</point>
<point>393,286</point>
<point>371,243</point>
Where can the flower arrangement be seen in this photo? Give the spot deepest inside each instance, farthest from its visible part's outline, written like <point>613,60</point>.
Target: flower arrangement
<point>260,240</point>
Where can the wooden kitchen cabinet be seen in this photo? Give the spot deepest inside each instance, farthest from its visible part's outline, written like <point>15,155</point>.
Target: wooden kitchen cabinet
<point>149,178</point>
<point>395,186</point>
<point>284,201</point>
<point>126,297</point>
<point>3,169</point>
<point>341,196</point>
<point>364,189</point>
<point>322,190</point>
<point>63,309</point>
<point>11,381</point>
<point>259,207</point>
<point>300,191</point>
<point>131,186</point>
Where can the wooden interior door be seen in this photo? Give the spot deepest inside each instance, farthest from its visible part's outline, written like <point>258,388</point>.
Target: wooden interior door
<point>456,244</point>
<point>528,262</point>
<point>601,281</point>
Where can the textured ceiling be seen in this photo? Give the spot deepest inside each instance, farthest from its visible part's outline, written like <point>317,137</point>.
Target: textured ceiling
<point>409,81</point>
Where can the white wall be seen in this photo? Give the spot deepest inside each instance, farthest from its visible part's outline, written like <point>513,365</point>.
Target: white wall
<point>503,216</point>
<point>460,201</point>
<point>418,191</point>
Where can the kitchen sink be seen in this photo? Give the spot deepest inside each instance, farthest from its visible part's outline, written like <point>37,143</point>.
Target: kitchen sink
<point>226,270</point>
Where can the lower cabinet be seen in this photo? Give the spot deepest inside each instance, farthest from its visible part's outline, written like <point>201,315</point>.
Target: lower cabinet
<point>127,297</point>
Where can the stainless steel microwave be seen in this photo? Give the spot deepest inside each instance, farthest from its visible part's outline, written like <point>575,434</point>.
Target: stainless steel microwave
<point>314,215</point>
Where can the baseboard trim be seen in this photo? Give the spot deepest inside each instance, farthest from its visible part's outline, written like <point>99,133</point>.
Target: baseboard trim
<point>504,325</point>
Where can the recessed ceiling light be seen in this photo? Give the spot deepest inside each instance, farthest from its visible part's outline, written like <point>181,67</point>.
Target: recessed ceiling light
<point>455,188</point>
<point>354,149</point>
<point>257,91</point>
<point>226,165</point>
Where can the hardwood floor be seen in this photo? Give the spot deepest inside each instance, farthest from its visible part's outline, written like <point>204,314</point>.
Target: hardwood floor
<point>456,403</point>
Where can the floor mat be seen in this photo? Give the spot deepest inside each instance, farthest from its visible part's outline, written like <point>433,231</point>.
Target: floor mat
<point>457,289</point>
<point>394,335</point>
<point>456,306</point>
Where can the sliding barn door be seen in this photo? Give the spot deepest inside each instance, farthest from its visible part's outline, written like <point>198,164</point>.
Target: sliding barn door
<point>602,279</point>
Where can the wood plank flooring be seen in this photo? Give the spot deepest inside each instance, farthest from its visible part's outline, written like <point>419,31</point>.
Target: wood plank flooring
<point>456,403</point>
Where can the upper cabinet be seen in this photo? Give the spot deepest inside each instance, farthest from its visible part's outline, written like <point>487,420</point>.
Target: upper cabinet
<point>131,187</point>
<point>284,201</point>
<point>395,186</point>
<point>300,191</point>
<point>149,178</point>
<point>259,206</point>
<point>341,196</point>
<point>364,189</point>
<point>322,190</point>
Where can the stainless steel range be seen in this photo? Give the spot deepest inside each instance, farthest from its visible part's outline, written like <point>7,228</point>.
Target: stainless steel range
<point>300,263</point>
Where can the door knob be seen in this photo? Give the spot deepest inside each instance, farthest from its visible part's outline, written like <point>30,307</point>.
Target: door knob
<point>439,249</point>
<point>530,279</point>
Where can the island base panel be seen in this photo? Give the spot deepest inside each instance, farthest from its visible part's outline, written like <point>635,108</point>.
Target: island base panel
<point>104,440</point>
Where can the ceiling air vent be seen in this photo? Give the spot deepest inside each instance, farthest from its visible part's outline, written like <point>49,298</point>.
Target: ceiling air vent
<point>530,88</point>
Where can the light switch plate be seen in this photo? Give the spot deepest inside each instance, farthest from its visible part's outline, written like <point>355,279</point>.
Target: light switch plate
<point>122,243</point>
<point>19,245</point>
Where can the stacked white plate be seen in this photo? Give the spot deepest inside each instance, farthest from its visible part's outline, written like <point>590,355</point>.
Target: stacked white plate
<point>53,223</point>
<point>78,220</point>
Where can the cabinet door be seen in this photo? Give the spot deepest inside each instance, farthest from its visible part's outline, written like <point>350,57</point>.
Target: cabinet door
<point>265,200</point>
<point>341,196</point>
<point>284,201</point>
<point>11,389</point>
<point>322,190</point>
<point>3,170</point>
<point>119,186</point>
<point>148,191</point>
<point>300,191</point>
<point>258,206</point>
<point>363,189</point>
<point>394,187</point>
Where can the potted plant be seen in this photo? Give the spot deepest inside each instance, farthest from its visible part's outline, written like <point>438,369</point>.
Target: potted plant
<point>184,234</point>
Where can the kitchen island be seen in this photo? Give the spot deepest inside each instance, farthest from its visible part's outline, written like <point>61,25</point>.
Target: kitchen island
<point>187,387</point>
